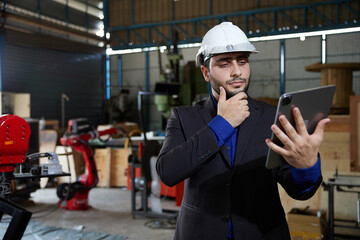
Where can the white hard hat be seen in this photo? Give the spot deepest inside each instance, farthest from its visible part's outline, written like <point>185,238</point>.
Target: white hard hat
<point>223,38</point>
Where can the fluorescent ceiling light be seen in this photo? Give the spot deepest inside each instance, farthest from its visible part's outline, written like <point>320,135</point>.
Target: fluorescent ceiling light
<point>302,36</point>
<point>305,34</point>
<point>100,33</point>
<point>109,51</point>
<point>323,49</point>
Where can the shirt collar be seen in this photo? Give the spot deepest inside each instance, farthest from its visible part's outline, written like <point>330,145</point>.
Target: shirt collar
<point>214,100</point>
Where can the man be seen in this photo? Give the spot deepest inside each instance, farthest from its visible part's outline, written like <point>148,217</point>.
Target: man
<point>219,148</point>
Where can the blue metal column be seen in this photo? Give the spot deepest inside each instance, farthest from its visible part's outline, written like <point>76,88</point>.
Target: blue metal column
<point>282,66</point>
<point>38,9</point>
<point>87,16</point>
<point>106,26</point>
<point>106,16</point>
<point>107,77</point>
<point>147,89</point>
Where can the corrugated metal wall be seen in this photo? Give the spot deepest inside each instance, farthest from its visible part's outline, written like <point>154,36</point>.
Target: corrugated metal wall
<point>121,13</point>
<point>265,67</point>
<point>342,51</point>
<point>47,67</point>
<point>298,55</point>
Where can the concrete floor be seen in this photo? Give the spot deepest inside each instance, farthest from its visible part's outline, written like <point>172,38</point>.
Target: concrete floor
<point>110,213</point>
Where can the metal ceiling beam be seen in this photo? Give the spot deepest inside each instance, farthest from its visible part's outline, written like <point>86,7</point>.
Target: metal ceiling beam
<point>82,7</point>
<point>262,29</point>
<point>24,20</point>
<point>21,20</point>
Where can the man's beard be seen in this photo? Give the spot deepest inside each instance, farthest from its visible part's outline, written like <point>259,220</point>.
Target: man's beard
<point>216,86</point>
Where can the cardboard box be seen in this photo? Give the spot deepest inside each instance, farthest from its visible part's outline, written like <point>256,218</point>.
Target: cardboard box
<point>307,224</point>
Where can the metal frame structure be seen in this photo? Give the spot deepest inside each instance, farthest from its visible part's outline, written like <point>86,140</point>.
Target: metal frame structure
<point>36,16</point>
<point>249,17</point>
<point>19,221</point>
<point>342,183</point>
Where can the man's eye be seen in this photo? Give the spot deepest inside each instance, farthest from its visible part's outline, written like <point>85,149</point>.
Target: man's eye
<point>242,62</point>
<point>224,64</point>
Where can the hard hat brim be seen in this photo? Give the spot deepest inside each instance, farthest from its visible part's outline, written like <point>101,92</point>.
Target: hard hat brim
<point>209,52</point>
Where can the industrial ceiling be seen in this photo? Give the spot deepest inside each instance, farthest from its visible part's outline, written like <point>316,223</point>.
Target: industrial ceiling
<point>127,24</point>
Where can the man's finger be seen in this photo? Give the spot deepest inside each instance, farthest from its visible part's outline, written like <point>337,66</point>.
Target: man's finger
<point>222,97</point>
<point>321,126</point>
<point>299,121</point>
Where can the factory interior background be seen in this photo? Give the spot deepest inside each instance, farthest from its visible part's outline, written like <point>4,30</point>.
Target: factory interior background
<point>118,67</point>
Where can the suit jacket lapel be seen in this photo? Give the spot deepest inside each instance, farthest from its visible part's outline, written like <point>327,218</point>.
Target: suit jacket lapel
<point>246,129</point>
<point>208,110</point>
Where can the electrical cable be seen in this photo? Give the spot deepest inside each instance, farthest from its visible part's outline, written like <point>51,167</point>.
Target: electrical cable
<point>160,224</point>
<point>5,186</point>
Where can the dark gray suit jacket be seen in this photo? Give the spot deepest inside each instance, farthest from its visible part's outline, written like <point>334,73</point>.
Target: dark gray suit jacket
<point>214,192</point>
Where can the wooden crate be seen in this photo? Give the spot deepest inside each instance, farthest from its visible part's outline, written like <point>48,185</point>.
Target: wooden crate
<point>119,165</point>
<point>335,148</point>
<point>309,226</point>
<point>102,158</point>
<point>112,164</point>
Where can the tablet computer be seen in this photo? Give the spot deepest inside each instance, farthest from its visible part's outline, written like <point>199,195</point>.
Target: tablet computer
<point>314,105</point>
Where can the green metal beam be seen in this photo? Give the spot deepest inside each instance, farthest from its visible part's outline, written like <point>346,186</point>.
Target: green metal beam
<point>250,17</point>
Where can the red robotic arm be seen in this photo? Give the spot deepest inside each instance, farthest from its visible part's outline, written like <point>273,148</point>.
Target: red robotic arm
<point>75,196</point>
<point>80,143</point>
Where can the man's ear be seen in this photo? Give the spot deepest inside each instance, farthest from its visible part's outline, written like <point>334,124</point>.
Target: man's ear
<point>205,72</point>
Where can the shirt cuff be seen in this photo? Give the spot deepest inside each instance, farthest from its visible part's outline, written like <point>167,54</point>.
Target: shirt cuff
<point>221,129</point>
<point>305,178</point>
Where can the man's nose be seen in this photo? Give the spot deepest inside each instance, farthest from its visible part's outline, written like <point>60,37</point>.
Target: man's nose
<point>235,70</point>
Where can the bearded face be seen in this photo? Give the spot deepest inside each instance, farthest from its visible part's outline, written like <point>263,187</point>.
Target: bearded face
<point>215,84</point>
<point>229,70</point>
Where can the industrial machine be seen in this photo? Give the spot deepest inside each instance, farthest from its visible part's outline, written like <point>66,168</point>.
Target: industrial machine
<point>148,184</point>
<point>14,142</point>
<point>349,184</point>
<point>74,196</point>
<point>14,145</point>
